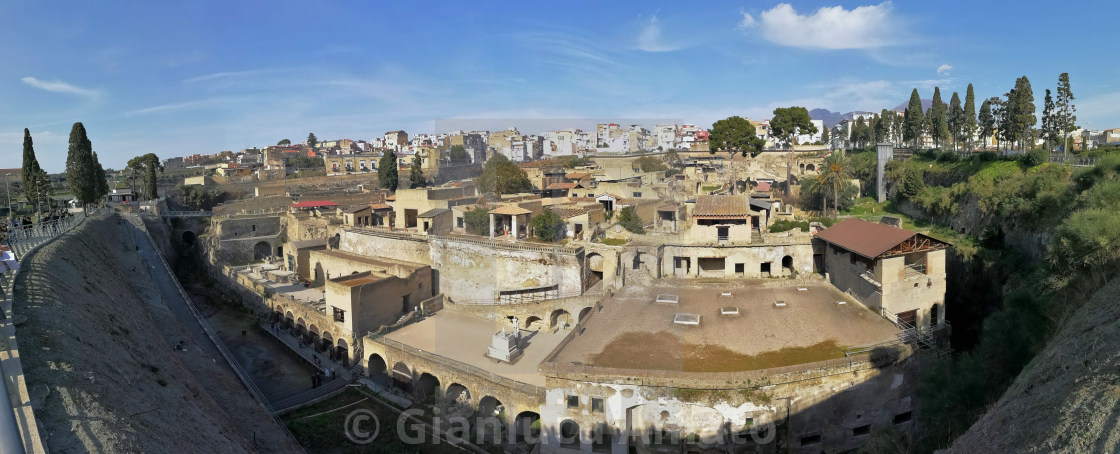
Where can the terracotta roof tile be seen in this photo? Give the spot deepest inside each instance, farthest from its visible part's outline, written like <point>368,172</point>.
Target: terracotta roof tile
<point>868,239</point>
<point>721,207</point>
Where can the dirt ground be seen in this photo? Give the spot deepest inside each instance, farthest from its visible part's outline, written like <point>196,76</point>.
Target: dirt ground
<point>665,351</point>
<point>97,350</point>
<point>275,369</point>
<point>633,331</point>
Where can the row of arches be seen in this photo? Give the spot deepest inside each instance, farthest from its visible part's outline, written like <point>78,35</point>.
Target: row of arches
<point>457,400</point>
<point>320,340</point>
<point>559,318</point>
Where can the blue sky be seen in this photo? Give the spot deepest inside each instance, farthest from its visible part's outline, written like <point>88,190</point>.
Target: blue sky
<point>178,78</point>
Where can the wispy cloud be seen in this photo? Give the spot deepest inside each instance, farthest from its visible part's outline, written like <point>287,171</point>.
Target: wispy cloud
<point>59,86</point>
<point>650,39</point>
<point>226,75</point>
<point>176,106</point>
<point>944,70</point>
<point>864,27</point>
<point>748,20</point>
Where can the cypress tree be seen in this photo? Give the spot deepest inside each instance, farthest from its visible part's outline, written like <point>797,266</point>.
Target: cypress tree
<point>969,127</point>
<point>955,119</point>
<point>387,171</point>
<point>1065,120</point>
<point>32,173</point>
<point>83,171</point>
<point>913,123</point>
<point>937,124</point>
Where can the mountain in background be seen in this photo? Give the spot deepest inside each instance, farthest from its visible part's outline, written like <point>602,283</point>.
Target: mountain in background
<point>831,118</point>
<point>926,103</point>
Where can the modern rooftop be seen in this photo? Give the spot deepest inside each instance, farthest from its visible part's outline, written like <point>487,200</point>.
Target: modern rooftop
<point>636,332</point>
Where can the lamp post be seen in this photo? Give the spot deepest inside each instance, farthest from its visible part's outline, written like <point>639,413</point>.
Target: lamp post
<point>8,191</point>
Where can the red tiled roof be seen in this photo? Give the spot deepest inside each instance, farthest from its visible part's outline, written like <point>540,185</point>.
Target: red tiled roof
<point>868,239</point>
<point>380,206</point>
<point>721,207</point>
<point>314,204</point>
<point>562,185</point>
<point>763,186</point>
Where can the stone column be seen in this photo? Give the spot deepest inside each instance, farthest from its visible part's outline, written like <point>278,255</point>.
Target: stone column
<point>514,217</point>
<point>491,225</point>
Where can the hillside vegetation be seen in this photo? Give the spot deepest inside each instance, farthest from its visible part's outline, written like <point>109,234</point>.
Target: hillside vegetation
<point>1037,241</point>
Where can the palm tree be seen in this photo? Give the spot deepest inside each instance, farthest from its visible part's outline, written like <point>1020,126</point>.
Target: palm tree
<point>835,173</point>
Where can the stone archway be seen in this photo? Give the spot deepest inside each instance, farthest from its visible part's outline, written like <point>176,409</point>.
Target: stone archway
<point>560,318</point>
<point>334,241</point>
<point>810,168</point>
<point>301,327</point>
<point>189,238</point>
<point>583,313</point>
<point>262,250</point>
<point>376,367</point>
<point>342,352</point>
<point>312,337</point>
<point>491,420</point>
<point>289,320</point>
<point>427,386</point>
<point>527,427</point>
<point>320,275</point>
<point>569,434</point>
<point>787,265</point>
<point>457,399</point>
<point>594,268</point>
<point>402,377</point>
<point>531,320</point>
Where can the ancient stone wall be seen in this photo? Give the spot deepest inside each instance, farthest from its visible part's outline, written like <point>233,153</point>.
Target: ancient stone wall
<point>470,269</point>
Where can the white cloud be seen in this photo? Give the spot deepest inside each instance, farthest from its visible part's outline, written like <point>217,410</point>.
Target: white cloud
<point>225,75</point>
<point>650,39</point>
<point>176,106</point>
<point>864,27</point>
<point>1099,111</point>
<point>748,20</point>
<point>944,70</point>
<point>59,86</point>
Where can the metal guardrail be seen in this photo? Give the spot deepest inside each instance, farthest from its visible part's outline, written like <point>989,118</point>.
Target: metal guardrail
<point>187,214</point>
<point>463,367</point>
<point>25,238</point>
<point>22,241</point>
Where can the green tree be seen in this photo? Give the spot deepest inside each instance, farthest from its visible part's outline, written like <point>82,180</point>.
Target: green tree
<point>985,121</point>
<point>36,183</point>
<point>734,134</point>
<point>387,171</point>
<point>913,125</point>
<point>938,126</point>
<point>477,221</point>
<point>83,172</point>
<point>147,167</point>
<point>968,123</point>
<point>628,218</point>
<point>835,175</point>
<point>650,164</point>
<point>500,176</point>
<point>283,143</point>
<point>826,139</point>
<point>312,140</point>
<point>955,120</point>
<point>1049,132</point>
<point>1023,112</point>
<point>416,172</point>
<point>548,226</point>
<point>886,122</point>
<point>786,124</point>
<point>790,122</point>
<point>1065,120</point>
<point>459,154</point>
<point>999,116</point>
